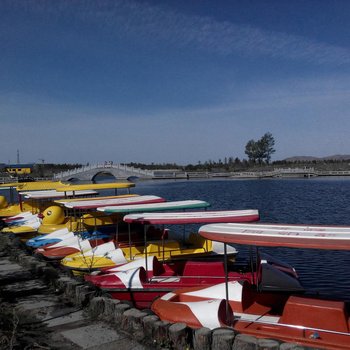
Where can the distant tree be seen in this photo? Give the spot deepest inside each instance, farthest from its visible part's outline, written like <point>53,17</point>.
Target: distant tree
<point>266,145</point>
<point>251,150</point>
<point>258,151</point>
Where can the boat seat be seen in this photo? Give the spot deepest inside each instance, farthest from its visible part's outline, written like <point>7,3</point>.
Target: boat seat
<point>157,246</point>
<point>211,268</point>
<point>317,313</point>
<point>195,240</point>
<point>158,267</point>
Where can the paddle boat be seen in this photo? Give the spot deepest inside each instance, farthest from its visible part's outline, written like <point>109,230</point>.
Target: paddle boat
<point>143,280</point>
<point>147,278</point>
<point>71,220</point>
<point>44,195</point>
<point>169,245</point>
<point>104,257</point>
<point>119,211</point>
<point>18,206</point>
<point>88,222</point>
<point>253,307</point>
<point>26,224</point>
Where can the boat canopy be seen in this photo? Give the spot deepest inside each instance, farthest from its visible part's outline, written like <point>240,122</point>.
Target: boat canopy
<point>115,201</point>
<point>275,235</point>
<point>102,186</point>
<point>192,217</point>
<point>35,185</point>
<point>63,201</point>
<point>47,194</point>
<point>175,205</point>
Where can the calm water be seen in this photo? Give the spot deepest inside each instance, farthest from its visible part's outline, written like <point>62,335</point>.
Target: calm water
<point>293,201</point>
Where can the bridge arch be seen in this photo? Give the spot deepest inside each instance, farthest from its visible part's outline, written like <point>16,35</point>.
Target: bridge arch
<point>73,179</point>
<point>103,176</point>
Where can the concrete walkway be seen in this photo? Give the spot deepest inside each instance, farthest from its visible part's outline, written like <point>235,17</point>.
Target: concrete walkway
<point>53,322</point>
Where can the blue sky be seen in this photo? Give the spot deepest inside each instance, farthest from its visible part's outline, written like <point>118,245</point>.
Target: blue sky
<point>172,80</point>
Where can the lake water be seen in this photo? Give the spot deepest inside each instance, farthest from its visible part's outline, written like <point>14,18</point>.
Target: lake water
<point>292,201</point>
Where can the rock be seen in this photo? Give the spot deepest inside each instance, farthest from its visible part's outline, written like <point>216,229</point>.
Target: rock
<point>132,323</point>
<point>109,311</point>
<point>160,333</point>
<point>83,294</point>
<point>118,313</point>
<point>222,339</point>
<point>96,307</point>
<point>202,339</point>
<point>268,344</point>
<point>245,342</point>
<point>179,336</point>
<point>148,325</point>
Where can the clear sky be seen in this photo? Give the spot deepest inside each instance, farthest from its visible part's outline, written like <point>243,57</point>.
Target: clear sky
<point>172,80</point>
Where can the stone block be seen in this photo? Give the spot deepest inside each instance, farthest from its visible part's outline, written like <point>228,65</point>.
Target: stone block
<point>96,307</point>
<point>148,325</point>
<point>268,344</point>
<point>61,283</point>
<point>132,323</point>
<point>69,291</point>
<point>179,336</point>
<point>83,294</point>
<point>245,342</point>
<point>202,339</point>
<point>160,333</point>
<point>222,339</point>
<point>118,313</point>
<point>109,311</point>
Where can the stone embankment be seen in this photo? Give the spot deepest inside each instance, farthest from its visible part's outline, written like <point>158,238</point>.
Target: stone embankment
<point>42,307</point>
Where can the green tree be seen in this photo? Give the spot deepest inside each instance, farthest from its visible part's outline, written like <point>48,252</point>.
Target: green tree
<point>266,144</point>
<point>251,150</point>
<point>258,151</point>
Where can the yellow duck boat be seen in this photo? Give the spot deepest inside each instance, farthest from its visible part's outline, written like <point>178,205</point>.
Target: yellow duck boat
<point>14,188</point>
<point>54,217</point>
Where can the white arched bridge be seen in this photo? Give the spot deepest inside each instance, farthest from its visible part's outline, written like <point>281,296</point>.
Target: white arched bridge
<point>90,172</point>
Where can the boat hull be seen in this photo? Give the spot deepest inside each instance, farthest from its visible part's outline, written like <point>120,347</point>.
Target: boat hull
<point>290,318</point>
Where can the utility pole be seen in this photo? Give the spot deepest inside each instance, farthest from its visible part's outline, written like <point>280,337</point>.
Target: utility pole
<point>18,156</point>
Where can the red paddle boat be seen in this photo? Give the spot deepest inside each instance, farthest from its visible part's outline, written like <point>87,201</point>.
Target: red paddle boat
<point>143,280</point>
<point>254,310</point>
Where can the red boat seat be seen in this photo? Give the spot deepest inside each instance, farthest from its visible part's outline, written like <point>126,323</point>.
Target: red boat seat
<point>158,267</point>
<point>143,275</point>
<point>208,268</point>
<point>316,313</point>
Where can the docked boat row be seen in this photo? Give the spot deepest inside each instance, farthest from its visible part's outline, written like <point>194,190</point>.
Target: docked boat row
<point>95,235</point>
<point>179,258</point>
<point>35,197</point>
